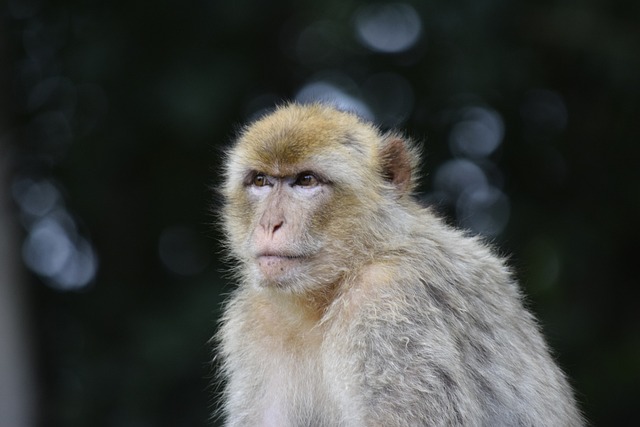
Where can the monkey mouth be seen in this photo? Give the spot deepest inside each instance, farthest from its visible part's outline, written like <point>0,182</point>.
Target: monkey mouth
<point>280,256</point>
<point>272,259</point>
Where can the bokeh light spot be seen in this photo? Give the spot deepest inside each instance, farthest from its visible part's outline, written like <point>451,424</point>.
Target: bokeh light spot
<point>483,209</point>
<point>47,248</point>
<point>324,91</point>
<point>391,98</point>
<point>35,198</point>
<point>478,133</point>
<point>53,250</point>
<point>388,27</point>
<point>456,176</point>
<point>54,93</point>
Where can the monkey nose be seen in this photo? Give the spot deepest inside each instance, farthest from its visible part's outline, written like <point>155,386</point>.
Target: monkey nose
<point>276,227</point>
<point>269,228</point>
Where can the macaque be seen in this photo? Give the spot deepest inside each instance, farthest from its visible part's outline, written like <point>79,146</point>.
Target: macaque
<point>356,305</point>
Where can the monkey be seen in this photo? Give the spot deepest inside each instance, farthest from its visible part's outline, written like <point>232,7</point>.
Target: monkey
<point>358,306</point>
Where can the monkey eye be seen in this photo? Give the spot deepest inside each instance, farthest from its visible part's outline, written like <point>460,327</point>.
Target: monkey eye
<point>306,179</point>
<point>260,180</point>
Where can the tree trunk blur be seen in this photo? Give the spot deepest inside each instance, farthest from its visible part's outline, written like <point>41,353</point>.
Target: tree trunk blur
<point>17,391</point>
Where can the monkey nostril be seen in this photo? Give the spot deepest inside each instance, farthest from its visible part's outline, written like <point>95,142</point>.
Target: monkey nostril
<point>277,226</point>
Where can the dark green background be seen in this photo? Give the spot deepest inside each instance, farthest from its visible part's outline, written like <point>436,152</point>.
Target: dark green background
<point>161,86</point>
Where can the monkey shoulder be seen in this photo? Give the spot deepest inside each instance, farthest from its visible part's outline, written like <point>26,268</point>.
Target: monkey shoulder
<point>442,321</point>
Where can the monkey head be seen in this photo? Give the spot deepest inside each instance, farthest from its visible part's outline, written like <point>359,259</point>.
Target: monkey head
<point>307,189</point>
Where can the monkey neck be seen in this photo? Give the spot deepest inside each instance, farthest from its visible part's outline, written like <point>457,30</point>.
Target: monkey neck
<point>307,307</point>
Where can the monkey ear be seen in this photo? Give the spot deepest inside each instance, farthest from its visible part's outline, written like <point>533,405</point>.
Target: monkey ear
<point>397,163</point>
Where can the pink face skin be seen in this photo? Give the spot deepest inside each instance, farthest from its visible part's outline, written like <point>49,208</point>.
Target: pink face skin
<point>281,246</point>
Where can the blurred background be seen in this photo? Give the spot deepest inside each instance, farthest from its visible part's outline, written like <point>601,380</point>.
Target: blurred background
<point>113,116</point>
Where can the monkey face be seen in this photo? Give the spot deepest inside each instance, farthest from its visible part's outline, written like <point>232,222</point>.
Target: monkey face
<point>303,188</point>
<point>282,244</point>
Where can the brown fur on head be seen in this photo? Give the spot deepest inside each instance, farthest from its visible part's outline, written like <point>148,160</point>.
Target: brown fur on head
<point>362,173</point>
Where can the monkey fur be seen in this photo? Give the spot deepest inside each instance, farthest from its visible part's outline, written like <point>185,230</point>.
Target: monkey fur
<point>356,305</point>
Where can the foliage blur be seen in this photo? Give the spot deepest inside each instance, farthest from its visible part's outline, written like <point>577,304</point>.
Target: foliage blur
<point>114,116</point>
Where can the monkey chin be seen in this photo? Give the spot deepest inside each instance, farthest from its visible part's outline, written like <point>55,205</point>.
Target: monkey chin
<point>277,270</point>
